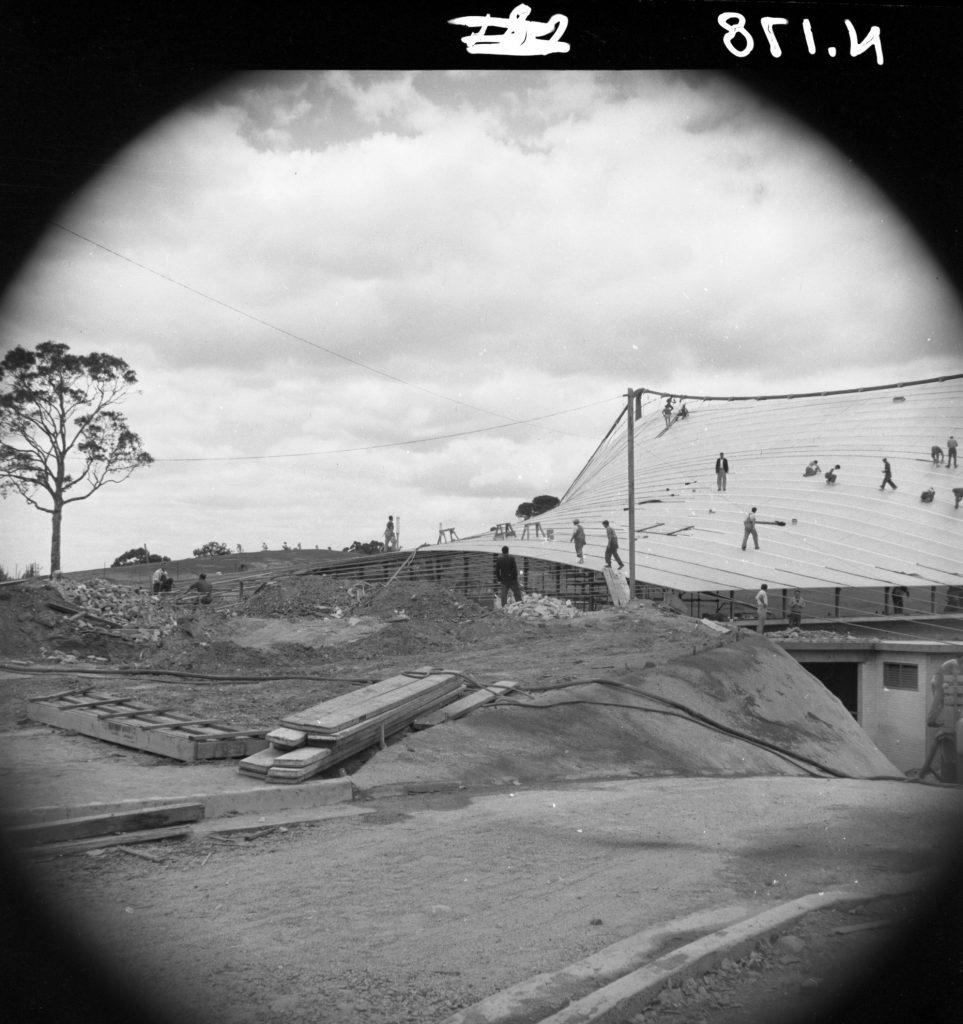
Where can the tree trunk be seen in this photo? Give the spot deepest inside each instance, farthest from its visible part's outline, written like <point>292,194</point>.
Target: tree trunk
<point>55,537</point>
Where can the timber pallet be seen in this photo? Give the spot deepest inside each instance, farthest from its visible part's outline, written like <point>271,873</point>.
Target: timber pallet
<point>131,723</point>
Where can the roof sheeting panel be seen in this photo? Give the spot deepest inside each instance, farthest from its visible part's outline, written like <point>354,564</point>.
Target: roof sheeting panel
<point>847,534</point>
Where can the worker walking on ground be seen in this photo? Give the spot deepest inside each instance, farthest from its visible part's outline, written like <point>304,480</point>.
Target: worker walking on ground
<point>762,607</point>
<point>611,546</point>
<point>749,529</point>
<point>722,471</point>
<point>951,451</point>
<point>887,475</point>
<point>506,572</point>
<point>578,539</point>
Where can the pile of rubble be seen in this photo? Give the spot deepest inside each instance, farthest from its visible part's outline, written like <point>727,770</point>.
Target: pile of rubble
<point>115,604</point>
<point>541,607</point>
<point>813,635</point>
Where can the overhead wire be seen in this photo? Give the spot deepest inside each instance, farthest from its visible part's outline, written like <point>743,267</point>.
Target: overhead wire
<point>510,421</point>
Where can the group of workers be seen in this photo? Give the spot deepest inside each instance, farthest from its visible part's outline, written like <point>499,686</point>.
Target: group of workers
<point>200,591</point>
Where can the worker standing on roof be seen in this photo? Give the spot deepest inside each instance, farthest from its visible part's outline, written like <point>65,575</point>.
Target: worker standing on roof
<point>722,471</point>
<point>887,475</point>
<point>390,534</point>
<point>762,607</point>
<point>951,451</point>
<point>611,546</point>
<point>578,539</point>
<point>749,529</point>
<point>667,412</point>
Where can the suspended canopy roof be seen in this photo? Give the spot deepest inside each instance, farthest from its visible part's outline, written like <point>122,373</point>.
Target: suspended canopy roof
<point>848,534</point>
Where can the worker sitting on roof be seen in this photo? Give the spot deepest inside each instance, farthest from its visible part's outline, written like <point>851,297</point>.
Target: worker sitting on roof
<point>812,469</point>
<point>831,475</point>
<point>928,495</point>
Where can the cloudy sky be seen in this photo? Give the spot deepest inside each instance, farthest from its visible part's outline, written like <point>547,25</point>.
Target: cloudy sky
<point>426,293</point>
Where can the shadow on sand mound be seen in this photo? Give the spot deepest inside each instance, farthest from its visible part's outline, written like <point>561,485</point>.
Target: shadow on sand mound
<point>602,729</point>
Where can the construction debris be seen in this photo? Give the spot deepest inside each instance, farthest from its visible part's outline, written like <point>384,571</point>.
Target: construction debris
<point>540,606</point>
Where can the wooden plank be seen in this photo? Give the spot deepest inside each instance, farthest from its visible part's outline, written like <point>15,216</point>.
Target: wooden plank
<point>180,746</point>
<point>259,762</point>
<point>152,835</point>
<point>343,712</point>
<point>128,713</point>
<point>367,705</point>
<point>108,824</point>
<point>176,723</point>
<point>286,739</point>
<point>618,586</point>
<point>373,726</point>
<point>67,693</point>
<point>460,708</point>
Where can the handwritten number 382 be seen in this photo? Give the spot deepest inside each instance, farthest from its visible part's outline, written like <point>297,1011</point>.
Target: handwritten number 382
<point>739,42</point>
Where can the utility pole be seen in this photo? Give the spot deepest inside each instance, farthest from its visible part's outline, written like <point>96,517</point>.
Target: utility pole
<point>630,428</point>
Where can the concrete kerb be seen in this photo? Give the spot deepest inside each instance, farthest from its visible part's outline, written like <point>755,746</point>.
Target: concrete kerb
<point>560,997</point>
<point>252,800</point>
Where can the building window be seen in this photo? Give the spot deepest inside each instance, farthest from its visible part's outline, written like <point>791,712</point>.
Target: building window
<point>897,676</point>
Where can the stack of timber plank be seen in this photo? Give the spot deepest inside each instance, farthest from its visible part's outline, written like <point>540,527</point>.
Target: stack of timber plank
<point>311,741</point>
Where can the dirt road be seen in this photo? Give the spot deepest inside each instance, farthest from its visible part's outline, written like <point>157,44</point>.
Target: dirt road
<point>413,908</point>
<point>410,909</point>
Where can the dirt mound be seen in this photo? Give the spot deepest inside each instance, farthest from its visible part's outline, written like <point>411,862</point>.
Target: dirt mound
<point>421,601</point>
<point>302,597</point>
<point>749,689</point>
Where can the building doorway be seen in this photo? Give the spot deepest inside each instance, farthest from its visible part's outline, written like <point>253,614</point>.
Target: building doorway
<point>841,678</point>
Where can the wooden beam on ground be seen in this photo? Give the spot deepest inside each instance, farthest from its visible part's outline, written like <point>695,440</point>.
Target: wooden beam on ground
<point>152,835</point>
<point>107,824</point>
